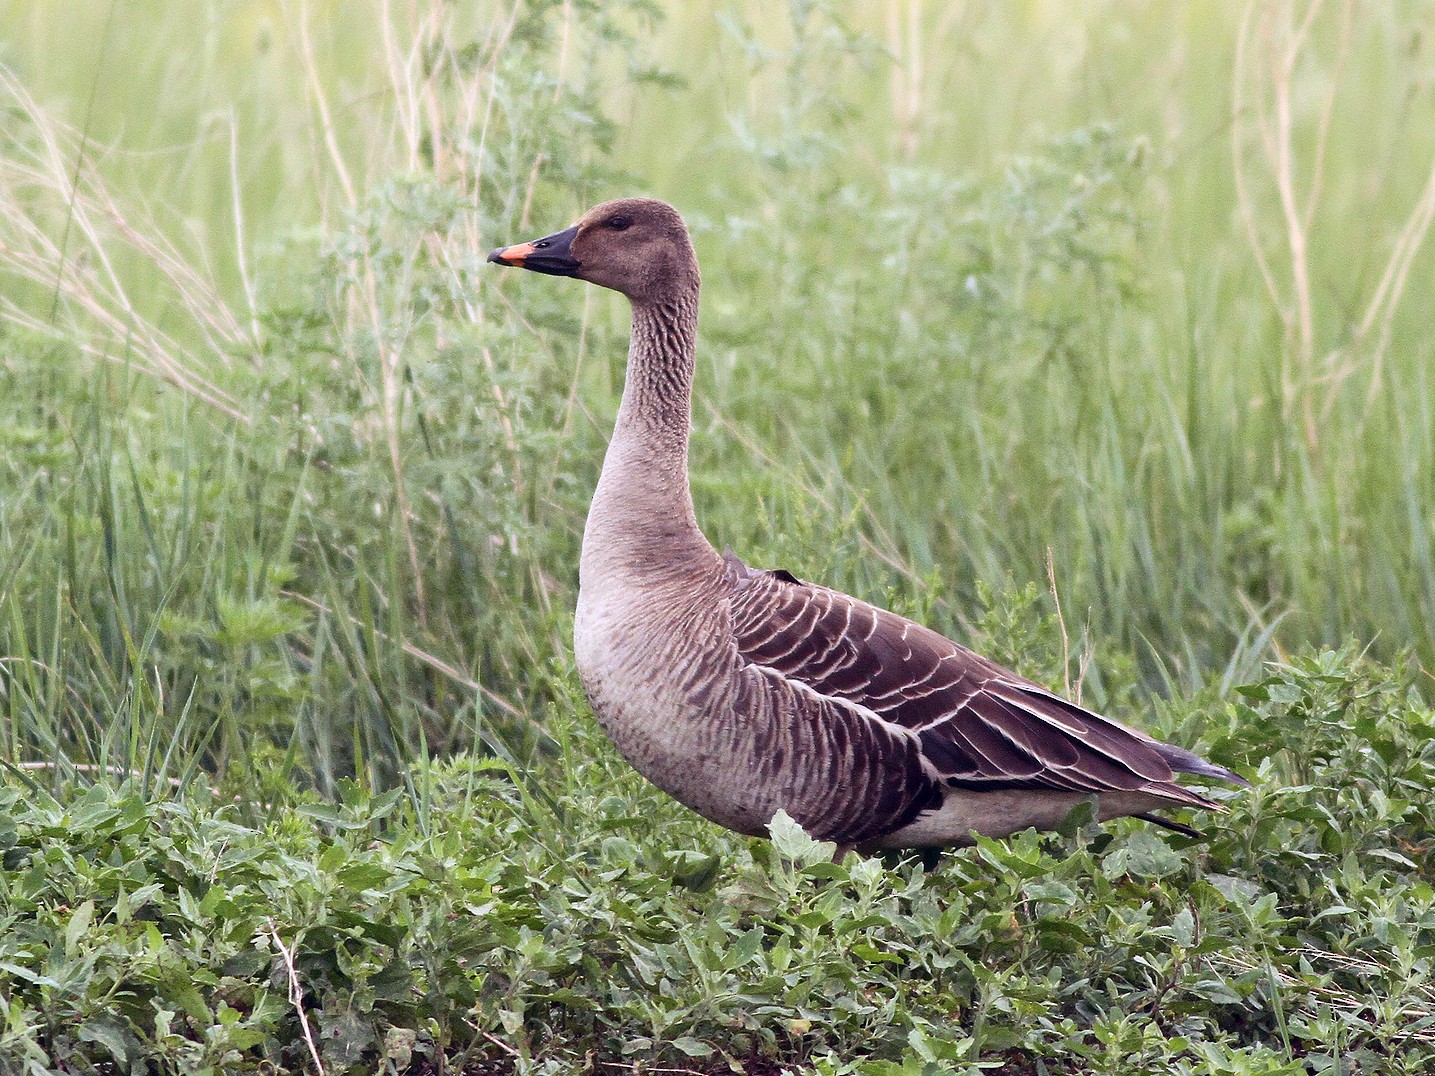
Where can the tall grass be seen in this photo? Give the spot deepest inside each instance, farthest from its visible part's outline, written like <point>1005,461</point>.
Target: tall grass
<point>289,478</point>
<point>1092,334</point>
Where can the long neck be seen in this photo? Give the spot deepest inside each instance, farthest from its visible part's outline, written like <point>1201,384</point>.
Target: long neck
<point>641,525</point>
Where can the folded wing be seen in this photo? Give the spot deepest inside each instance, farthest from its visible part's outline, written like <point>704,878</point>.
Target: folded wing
<point>979,726</point>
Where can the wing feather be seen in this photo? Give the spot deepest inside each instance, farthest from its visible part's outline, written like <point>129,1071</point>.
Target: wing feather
<point>978,725</point>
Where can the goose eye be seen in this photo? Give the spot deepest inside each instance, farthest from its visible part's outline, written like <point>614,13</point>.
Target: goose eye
<point>618,224</point>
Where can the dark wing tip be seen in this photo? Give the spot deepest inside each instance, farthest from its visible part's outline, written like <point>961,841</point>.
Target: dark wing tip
<point>1183,761</point>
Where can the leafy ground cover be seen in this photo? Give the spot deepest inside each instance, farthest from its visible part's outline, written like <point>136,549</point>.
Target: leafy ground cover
<point>464,920</point>
<point>1092,338</point>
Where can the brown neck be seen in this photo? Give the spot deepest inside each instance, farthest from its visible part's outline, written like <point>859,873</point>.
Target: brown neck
<point>641,523</point>
<point>657,394</point>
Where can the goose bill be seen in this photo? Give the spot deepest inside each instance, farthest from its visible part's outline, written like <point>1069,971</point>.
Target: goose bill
<point>550,255</point>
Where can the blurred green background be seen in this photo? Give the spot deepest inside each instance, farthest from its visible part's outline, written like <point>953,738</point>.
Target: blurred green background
<point>1136,291</point>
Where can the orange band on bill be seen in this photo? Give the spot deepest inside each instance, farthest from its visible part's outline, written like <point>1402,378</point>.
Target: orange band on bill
<point>513,255</point>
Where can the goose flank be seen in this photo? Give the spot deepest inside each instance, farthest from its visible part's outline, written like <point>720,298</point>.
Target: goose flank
<point>740,692</point>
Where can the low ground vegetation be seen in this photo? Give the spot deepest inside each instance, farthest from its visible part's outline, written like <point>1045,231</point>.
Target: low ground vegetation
<point>1112,379</point>
<point>572,919</point>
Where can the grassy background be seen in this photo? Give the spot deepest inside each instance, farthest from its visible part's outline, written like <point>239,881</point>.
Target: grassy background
<point>1030,289</point>
<point>1122,298</point>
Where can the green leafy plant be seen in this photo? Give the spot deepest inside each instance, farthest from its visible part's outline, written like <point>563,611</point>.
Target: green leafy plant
<point>994,332</point>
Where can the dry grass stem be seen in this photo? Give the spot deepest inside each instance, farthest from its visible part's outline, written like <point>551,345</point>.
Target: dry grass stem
<point>240,243</point>
<point>1281,43</point>
<point>296,996</point>
<point>40,185</point>
<point>1386,301</point>
<point>320,99</point>
<point>1239,137</point>
<point>1416,1020</point>
<point>91,770</point>
<point>431,660</point>
<point>1065,639</point>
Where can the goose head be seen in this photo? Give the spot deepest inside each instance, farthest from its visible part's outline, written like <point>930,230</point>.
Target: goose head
<point>636,246</point>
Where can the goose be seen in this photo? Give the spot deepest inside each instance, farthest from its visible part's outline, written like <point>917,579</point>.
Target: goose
<point>742,692</point>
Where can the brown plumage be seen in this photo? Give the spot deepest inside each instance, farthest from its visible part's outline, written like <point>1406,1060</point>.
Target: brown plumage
<point>742,692</point>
